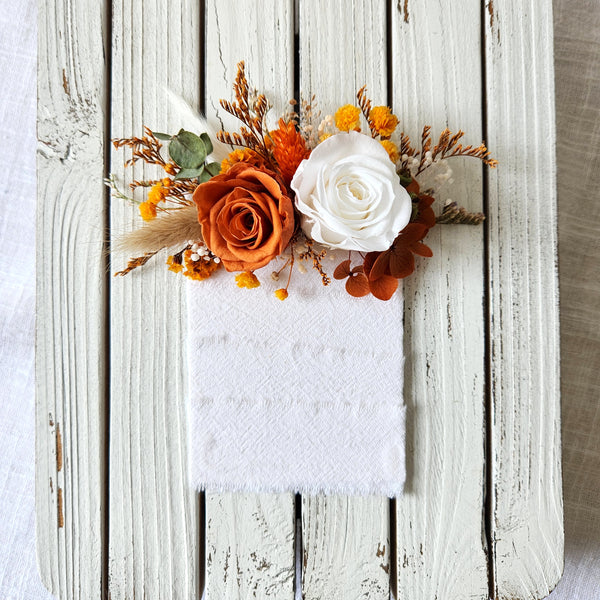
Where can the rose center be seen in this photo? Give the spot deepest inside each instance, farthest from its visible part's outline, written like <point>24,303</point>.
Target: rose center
<point>357,190</point>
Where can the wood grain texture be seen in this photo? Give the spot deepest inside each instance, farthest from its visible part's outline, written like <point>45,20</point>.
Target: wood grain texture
<point>250,546</point>
<point>527,512</point>
<point>440,544</point>
<point>70,362</point>
<point>153,551</point>
<point>249,538</point>
<point>346,540</point>
<point>155,536</point>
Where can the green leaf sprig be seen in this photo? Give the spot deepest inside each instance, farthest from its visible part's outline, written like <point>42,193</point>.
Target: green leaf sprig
<point>189,152</point>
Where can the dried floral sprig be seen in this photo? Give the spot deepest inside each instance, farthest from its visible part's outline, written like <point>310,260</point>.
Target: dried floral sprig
<point>111,183</point>
<point>448,146</point>
<point>146,148</point>
<point>457,215</point>
<point>171,229</point>
<point>252,113</point>
<point>134,263</point>
<point>310,253</point>
<point>365,105</point>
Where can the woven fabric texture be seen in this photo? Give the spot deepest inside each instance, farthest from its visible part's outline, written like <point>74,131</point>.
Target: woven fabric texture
<point>303,395</point>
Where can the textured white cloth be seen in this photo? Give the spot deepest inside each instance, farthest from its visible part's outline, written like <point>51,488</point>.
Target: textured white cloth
<point>18,574</point>
<point>303,395</point>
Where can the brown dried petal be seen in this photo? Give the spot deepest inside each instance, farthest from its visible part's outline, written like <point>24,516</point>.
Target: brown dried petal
<point>384,287</point>
<point>357,285</point>
<point>421,249</point>
<point>380,266</point>
<point>342,270</point>
<point>402,263</point>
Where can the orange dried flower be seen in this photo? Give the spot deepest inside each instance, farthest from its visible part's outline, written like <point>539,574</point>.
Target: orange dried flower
<point>157,193</point>
<point>170,168</point>
<point>244,155</point>
<point>247,279</point>
<point>281,294</point>
<point>148,210</point>
<point>289,149</point>
<point>175,264</point>
<point>347,117</point>
<point>383,120</point>
<point>198,269</point>
<point>392,150</point>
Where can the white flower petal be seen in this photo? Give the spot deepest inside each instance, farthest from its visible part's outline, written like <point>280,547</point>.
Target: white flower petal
<point>349,194</point>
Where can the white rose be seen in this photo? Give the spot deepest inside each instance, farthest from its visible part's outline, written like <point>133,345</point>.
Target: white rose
<point>349,194</point>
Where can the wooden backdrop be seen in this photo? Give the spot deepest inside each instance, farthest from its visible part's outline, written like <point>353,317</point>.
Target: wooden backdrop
<point>482,510</point>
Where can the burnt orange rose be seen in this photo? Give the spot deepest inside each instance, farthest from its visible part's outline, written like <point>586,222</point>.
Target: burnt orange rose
<point>246,216</point>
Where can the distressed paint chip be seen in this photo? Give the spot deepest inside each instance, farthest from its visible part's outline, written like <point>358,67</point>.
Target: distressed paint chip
<point>59,509</point>
<point>59,449</point>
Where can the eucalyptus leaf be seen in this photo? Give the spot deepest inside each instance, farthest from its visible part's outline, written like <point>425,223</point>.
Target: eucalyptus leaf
<point>187,150</point>
<point>213,168</point>
<point>205,176</point>
<point>165,137</point>
<point>207,143</point>
<point>190,173</point>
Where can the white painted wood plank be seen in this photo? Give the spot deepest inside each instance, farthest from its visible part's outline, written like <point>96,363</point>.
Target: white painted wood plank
<point>249,538</point>
<point>527,515</point>
<point>153,512</point>
<point>70,364</point>
<point>250,546</point>
<point>346,545</point>
<point>440,519</point>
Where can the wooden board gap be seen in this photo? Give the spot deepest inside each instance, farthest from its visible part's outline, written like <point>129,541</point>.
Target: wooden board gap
<point>105,426</point>
<point>487,368</point>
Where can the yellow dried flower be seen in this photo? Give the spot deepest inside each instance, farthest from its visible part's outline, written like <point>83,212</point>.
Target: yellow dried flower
<point>383,120</point>
<point>324,137</point>
<point>347,117</point>
<point>392,150</point>
<point>198,269</point>
<point>281,294</point>
<point>174,264</point>
<point>247,279</point>
<point>241,155</point>
<point>148,210</point>
<point>157,193</point>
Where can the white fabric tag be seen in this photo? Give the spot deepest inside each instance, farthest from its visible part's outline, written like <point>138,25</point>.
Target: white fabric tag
<point>303,395</point>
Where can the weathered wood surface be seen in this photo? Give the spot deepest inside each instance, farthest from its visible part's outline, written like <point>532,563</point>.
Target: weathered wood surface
<point>346,540</point>
<point>440,528</point>
<point>526,512</point>
<point>149,538</point>
<point>250,539</point>
<point>153,527</point>
<point>70,324</point>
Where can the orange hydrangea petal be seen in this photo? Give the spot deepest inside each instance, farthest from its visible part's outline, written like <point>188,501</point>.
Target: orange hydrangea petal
<point>402,263</point>
<point>384,287</point>
<point>342,270</point>
<point>357,285</point>
<point>421,249</point>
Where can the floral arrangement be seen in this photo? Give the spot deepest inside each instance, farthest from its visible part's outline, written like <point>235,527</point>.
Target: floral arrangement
<point>291,195</point>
